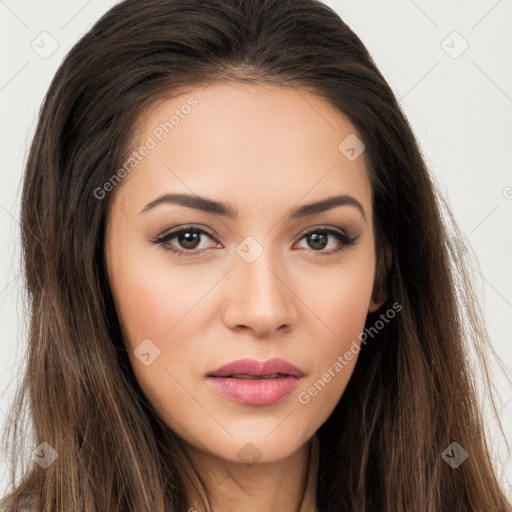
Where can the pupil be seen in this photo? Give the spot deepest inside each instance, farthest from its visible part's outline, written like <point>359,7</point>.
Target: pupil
<point>189,239</point>
<point>315,238</point>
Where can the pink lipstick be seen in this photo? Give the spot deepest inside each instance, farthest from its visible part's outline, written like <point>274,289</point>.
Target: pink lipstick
<point>252,382</point>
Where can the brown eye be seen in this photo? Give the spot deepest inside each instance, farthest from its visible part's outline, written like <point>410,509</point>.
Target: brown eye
<point>187,240</point>
<point>318,239</point>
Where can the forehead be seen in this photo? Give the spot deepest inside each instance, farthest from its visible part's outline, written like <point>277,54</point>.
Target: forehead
<point>250,145</point>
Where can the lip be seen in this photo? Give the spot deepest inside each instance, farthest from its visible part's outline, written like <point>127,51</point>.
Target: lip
<point>250,382</point>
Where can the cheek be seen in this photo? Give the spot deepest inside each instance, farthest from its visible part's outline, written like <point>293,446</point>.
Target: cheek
<point>154,301</point>
<point>156,309</point>
<point>341,296</point>
<point>342,309</point>
<point>346,305</point>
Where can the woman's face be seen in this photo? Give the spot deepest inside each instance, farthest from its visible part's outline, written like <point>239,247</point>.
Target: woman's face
<point>266,275</point>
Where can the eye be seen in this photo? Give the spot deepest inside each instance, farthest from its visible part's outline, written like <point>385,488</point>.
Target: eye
<point>188,238</point>
<point>318,240</point>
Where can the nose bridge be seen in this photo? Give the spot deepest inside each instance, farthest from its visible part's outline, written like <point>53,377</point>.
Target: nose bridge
<point>261,296</point>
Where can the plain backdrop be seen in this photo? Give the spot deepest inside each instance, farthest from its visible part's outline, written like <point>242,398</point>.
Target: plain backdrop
<point>450,64</point>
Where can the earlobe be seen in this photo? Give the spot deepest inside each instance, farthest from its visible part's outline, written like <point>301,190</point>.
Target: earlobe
<point>380,289</point>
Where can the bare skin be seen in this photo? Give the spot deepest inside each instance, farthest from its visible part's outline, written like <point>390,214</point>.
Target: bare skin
<point>263,150</point>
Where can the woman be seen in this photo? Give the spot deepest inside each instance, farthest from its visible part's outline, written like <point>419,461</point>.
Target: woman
<point>244,295</point>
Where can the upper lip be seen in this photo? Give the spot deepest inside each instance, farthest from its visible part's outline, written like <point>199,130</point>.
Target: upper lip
<point>257,368</point>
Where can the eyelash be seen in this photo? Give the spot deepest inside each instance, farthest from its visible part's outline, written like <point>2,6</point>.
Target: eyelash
<point>346,240</point>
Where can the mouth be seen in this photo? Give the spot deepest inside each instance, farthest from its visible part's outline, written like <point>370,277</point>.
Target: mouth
<point>252,369</point>
<point>253,377</point>
<point>251,382</point>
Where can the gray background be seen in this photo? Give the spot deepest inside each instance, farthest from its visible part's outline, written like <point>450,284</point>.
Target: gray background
<point>457,99</point>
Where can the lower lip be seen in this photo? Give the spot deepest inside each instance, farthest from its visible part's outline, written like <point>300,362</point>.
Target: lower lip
<point>255,391</point>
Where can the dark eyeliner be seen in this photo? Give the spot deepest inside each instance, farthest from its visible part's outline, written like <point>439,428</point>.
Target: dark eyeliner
<point>346,240</point>
<point>164,239</point>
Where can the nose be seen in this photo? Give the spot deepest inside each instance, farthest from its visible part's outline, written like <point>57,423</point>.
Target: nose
<point>260,298</point>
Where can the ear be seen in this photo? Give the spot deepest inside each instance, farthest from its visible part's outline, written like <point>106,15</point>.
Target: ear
<point>382,269</point>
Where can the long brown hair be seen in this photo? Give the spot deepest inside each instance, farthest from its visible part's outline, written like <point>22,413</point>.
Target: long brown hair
<point>413,391</point>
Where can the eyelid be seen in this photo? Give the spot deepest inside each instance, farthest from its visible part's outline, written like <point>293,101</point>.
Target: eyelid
<point>347,242</point>
<point>323,227</point>
<point>331,230</point>
<point>172,233</point>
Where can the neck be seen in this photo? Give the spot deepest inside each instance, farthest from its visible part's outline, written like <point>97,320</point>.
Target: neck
<point>260,487</point>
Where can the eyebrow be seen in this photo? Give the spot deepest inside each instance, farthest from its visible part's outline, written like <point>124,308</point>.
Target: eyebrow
<point>219,208</point>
